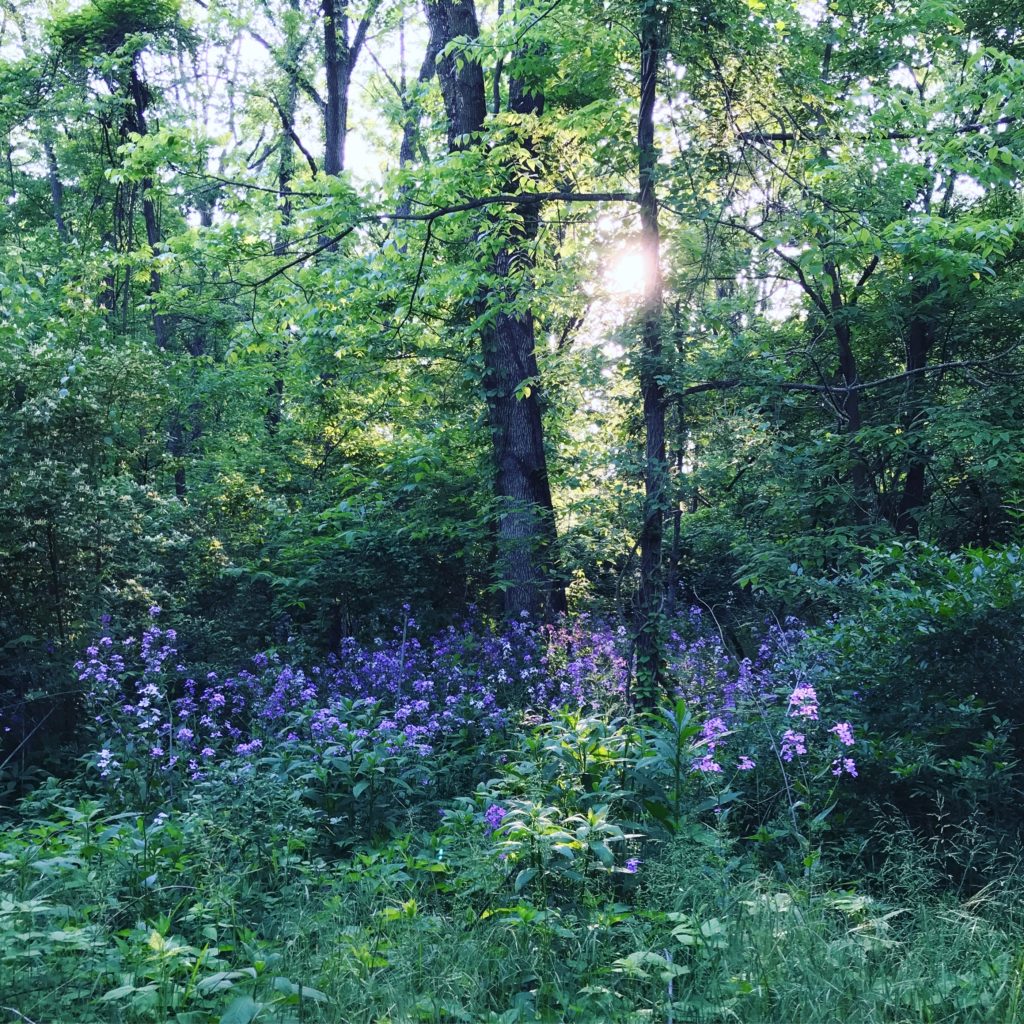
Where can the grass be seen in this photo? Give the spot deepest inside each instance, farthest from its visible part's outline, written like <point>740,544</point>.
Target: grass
<point>130,919</point>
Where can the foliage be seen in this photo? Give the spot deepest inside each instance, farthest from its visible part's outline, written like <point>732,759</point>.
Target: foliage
<point>258,404</point>
<point>943,691</point>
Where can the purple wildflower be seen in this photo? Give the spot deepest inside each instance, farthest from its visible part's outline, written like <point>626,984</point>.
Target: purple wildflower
<point>793,744</point>
<point>803,703</point>
<point>493,817</point>
<point>844,731</point>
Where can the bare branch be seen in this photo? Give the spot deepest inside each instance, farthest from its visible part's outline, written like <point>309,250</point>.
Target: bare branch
<point>731,383</point>
<point>428,218</point>
<point>303,83</point>
<point>327,244</point>
<point>289,128</point>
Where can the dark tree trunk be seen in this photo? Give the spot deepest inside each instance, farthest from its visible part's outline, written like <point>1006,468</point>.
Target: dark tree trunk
<point>176,449</point>
<point>920,338</point>
<point>526,538</point>
<point>338,64</point>
<point>682,441</point>
<point>340,56</point>
<point>526,526</point>
<point>499,65</point>
<point>285,174</point>
<point>650,664</point>
<point>286,165</point>
<point>462,82</point>
<point>56,190</point>
<point>849,405</point>
<point>137,123</point>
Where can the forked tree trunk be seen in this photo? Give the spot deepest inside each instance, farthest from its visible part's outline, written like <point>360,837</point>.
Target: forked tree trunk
<point>526,525</point>
<point>338,65</point>
<point>340,57</point>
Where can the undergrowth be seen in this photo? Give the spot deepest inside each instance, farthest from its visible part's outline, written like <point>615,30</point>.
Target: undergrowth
<point>479,828</point>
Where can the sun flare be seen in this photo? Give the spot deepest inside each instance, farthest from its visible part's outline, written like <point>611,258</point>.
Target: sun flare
<point>626,273</point>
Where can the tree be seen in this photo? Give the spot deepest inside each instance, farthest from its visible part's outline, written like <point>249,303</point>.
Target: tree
<point>526,537</point>
<point>340,56</point>
<point>652,579</point>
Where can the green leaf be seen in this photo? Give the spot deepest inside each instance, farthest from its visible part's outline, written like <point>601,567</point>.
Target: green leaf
<point>242,1010</point>
<point>524,878</point>
<point>118,993</point>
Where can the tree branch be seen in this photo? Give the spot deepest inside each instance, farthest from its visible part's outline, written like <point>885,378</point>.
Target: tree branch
<point>731,383</point>
<point>806,285</point>
<point>303,83</point>
<point>522,199</point>
<point>290,131</point>
<point>897,136</point>
<point>327,244</point>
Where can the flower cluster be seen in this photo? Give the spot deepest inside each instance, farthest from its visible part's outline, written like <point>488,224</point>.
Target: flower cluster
<point>493,817</point>
<point>765,703</point>
<point>803,703</point>
<point>404,692</point>
<point>793,745</point>
<point>423,695</point>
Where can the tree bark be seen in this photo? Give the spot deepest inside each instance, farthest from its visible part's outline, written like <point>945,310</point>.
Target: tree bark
<point>848,406</point>
<point>56,190</point>
<point>920,338</point>
<point>338,64</point>
<point>682,443</point>
<point>137,123</point>
<point>340,56</point>
<point>462,87</point>
<point>527,538</point>
<point>650,662</point>
<point>285,174</point>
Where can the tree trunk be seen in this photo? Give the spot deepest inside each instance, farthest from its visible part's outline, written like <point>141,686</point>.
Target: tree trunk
<point>527,537</point>
<point>920,338</point>
<point>285,174</point>
<point>462,82</point>
<point>286,164</point>
<point>849,406</point>
<point>682,442</point>
<point>56,190</point>
<point>338,64</point>
<point>650,663</point>
<point>137,123</point>
<point>340,57</point>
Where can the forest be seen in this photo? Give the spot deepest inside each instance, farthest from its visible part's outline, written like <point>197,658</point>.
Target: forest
<point>511,511</point>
